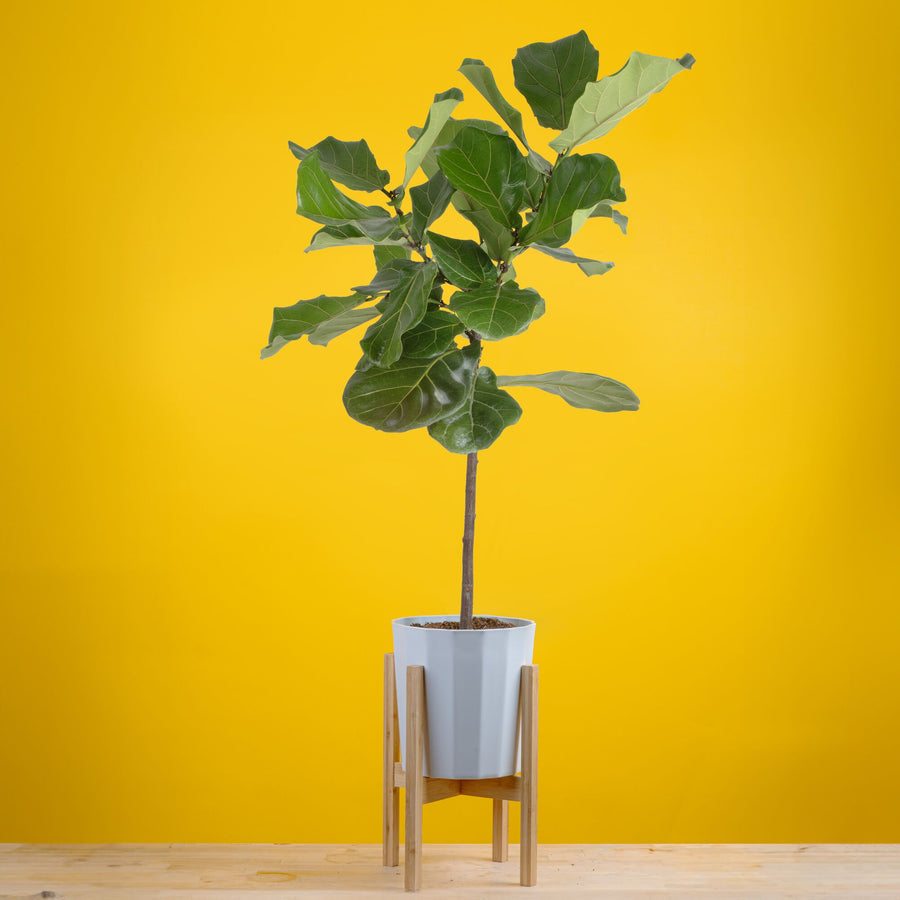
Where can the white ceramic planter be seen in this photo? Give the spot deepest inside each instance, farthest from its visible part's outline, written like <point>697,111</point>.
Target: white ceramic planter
<point>471,694</point>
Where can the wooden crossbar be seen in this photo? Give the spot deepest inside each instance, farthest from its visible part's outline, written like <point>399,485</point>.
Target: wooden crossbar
<point>421,789</point>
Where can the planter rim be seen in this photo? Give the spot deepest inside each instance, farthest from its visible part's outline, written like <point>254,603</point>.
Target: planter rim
<point>409,621</point>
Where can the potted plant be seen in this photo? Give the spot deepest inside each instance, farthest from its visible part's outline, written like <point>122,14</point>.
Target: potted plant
<point>436,300</point>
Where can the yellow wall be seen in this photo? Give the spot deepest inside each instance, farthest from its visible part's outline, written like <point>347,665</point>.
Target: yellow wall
<point>202,553</point>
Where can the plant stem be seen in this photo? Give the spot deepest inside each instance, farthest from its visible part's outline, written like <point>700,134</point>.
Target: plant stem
<point>395,203</point>
<point>466,606</point>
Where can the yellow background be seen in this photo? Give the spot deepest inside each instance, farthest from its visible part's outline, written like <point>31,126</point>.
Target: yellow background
<point>202,553</point>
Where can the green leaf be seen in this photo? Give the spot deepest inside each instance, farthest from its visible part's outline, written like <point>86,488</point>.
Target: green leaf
<point>553,76</point>
<point>579,389</point>
<point>385,252</point>
<point>498,311</point>
<point>401,309</point>
<point>349,162</point>
<point>606,102</point>
<point>438,113</point>
<point>380,229</point>
<point>496,238</point>
<point>448,132</point>
<point>483,80</point>
<point>429,201</point>
<point>291,322</point>
<point>349,235</point>
<point>412,392</point>
<point>588,266</point>
<point>534,186</point>
<point>577,185</point>
<point>489,169</point>
<point>341,324</point>
<point>318,199</point>
<point>480,422</point>
<point>388,277</point>
<point>432,336</point>
<point>463,263</point>
<point>605,210</point>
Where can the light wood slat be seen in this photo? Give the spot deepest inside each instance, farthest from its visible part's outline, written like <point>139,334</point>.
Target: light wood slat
<point>435,788</point>
<point>439,789</point>
<point>507,788</point>
<point>391,811</point>
<point>415,779</point>
<point>500,831</point>
<point>528,803</point>
<point>616,872</point>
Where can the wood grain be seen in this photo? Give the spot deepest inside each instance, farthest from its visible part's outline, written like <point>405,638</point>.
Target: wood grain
<point>390,838</point>
<point>509,787</point>
<point>500,831</point>
<point>528,835</point>
<point>415,778</point>
<point>261,871</point>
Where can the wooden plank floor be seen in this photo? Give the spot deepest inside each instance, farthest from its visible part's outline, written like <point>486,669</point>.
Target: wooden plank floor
<point>258,871</point>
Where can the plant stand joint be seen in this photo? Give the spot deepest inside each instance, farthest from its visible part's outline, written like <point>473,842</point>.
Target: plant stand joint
<point>421,789</point>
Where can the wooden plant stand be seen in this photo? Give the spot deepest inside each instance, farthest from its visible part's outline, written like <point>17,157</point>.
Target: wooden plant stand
<point>421,789</point>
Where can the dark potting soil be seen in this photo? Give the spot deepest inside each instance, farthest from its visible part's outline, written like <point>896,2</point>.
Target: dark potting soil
<point>478,623</point>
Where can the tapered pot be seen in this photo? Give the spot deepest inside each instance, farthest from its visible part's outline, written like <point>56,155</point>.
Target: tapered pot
<point>471,693</point>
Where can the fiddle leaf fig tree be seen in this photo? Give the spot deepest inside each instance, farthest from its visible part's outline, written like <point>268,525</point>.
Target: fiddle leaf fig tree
<point>436,298</point>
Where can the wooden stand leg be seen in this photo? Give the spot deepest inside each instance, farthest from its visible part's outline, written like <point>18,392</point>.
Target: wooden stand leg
<point>415,781</point>
<point>528,839</point>
<point>501,830</point>
<point>391,828</point>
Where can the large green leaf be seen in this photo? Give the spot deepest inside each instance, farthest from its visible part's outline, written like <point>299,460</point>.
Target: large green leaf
<point>606,102</point>
<point>579,389</point>
<point>380,228</point>
<point>429,201</point>
<point>496,238</point>
<point>535,182</point>
<point>349,235</point>
<point>318,199</point>
<point>447,133</point>
<point>553,76</point>
<point>341,324</point>
<point>349,162</point>
<point>489,169</point>
<point>577,185</point>
<point>605,210</point>
<point>498,311</point>
<point>403,308</point>
<point>291,322</point>
<point>385,252</point>
<point>483,80</point>
<point>438,113</point>
<point>412,392</point>
<point>563,254</point>
<point>388,277</point>
<point>432,336</point>
<point>480,421</point>
<point>463,263</point>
